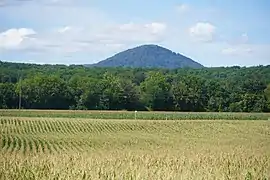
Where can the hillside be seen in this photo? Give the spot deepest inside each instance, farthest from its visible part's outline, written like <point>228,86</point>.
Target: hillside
<point>148,56</point>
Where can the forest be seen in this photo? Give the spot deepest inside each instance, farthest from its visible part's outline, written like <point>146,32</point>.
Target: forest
<point>75,87</point>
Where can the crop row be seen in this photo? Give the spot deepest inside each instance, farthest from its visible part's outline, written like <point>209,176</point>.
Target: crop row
<point>135,115</point>
<point>48,135</point>
<point>26,144</point>
<point>57,135</point>
<point>21,126</point>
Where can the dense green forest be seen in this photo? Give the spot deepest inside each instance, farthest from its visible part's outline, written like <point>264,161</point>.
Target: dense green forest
<point>231,89</point>
<point>150,56</point>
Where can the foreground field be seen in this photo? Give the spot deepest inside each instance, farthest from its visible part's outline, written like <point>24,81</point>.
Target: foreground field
<point>73,148</point>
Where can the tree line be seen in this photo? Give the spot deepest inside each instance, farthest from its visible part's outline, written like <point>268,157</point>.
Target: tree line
<point>230,89</point>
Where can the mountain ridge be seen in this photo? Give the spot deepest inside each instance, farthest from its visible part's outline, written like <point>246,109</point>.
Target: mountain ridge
<point>148,56</point>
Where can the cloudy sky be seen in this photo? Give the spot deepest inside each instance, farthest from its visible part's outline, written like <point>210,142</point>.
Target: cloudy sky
<point>212,32</point>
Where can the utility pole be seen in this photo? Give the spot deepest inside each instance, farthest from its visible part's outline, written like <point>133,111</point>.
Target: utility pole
<point>20,94</point>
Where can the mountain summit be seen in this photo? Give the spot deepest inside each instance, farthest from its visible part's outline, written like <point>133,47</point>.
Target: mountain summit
<point>148,56</point>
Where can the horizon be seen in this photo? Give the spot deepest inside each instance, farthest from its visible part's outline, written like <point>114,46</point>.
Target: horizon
<point>85,65</point>
<point>212,33</point>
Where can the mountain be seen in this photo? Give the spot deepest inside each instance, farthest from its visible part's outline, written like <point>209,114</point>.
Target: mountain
<point>148,56</point>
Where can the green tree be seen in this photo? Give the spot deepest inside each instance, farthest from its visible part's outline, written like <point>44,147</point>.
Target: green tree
<point>253,103</point>
<point>180,95</point>
<point>267,95</point>
<point>191,93</point>
<point>45,92</point>
<point>113,93</point>
<point>8,97</point>
<point>156,92</point>
<point>85,91</point>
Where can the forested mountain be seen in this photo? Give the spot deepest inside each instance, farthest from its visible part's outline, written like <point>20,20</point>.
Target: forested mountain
<point>148,56</point>
<point>185,89</point>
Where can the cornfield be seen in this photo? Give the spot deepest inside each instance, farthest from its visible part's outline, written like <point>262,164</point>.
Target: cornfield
<point>135,115</point>
<point>81,148</point>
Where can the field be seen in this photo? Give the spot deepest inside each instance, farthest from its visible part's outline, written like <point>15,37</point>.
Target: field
<point>90,145</point>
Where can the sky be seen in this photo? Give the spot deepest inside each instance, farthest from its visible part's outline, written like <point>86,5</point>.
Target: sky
<point>211,32</point>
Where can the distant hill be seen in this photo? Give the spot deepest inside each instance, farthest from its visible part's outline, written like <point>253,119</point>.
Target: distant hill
<point>148,56</point>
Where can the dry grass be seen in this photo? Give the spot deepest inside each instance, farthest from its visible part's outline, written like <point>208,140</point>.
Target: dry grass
<point>63,148</point>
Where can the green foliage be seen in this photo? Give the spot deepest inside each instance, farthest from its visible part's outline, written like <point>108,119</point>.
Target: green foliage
<point>130,115</point>
<point>45,92</point>
<point>8,98</point>
<point>156,92</point>
<point>267,95</point>
<point>231,89</point>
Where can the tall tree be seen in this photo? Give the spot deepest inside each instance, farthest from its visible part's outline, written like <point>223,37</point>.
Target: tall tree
<point>267,95</point>
<point>156,92</point>
<point>8,98</point>
<point>45,92</point>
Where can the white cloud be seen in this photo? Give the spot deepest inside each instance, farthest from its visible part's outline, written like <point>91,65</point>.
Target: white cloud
<point>72,39</point>
<point>128,27</point>
<point>26,32</point>
<point>239,46</point>
<point>246,54</point>
<point>133,33</point>
<point>203,32</point>
<point>183,8</point>
<point>13,38</point>
<point>154,27</point>
<point>233,51</point>
<point>64,29</point>
<point>68,33</point>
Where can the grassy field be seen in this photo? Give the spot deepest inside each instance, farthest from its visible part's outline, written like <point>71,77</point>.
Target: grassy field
<point>131,115</point>
<point>75,147</point>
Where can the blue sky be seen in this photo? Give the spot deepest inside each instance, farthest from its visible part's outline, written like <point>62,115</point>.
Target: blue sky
<point>212,32</point>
